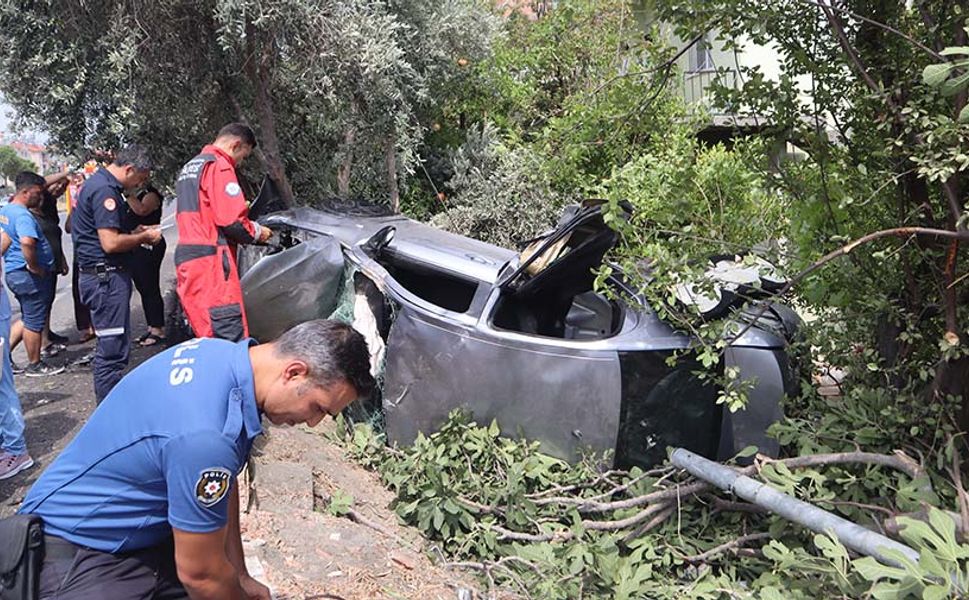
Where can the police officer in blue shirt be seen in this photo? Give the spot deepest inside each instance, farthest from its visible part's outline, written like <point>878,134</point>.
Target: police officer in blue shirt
<point>143,503</point>
<point>103,247</point>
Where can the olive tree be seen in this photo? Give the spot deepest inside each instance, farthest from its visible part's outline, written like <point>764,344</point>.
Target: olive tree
<point>332,87</point>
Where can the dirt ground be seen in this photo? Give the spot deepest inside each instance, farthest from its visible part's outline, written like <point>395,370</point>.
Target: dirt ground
<point>291,543</point>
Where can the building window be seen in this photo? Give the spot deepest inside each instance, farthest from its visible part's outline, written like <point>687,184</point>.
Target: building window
<point>701,56</point>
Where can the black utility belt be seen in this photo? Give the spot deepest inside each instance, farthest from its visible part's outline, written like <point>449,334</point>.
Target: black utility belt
<point>56,548</point>
<point>100,269</point>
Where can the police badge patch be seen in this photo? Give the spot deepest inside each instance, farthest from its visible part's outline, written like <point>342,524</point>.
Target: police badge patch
<point>212,486</point>
<point>110,204</point>
<point>232,188</point>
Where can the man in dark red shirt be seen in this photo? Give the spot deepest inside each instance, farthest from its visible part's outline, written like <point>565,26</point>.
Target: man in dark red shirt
<point>213,219</point>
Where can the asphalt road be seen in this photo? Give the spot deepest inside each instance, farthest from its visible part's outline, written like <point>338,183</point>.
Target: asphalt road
<point>62,314</point>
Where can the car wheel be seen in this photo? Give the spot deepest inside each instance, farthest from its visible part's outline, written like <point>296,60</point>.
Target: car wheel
<point>177,329</point>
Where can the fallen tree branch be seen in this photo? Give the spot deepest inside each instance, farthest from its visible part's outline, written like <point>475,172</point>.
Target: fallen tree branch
<point>482,508</point>
<point>731,545</point>
<point>561,489</point>
<point>721,505</point>
<point>561,536</point>
<point>359,519</point>
<point>653,523</point>
<point>486,567</point>
<point>861,505</point>
<point>898,461</point>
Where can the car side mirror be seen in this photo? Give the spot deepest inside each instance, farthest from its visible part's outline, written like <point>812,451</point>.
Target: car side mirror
<point>378,241</point>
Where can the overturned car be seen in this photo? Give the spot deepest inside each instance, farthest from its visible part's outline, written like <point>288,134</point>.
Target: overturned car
<point>521,338</point>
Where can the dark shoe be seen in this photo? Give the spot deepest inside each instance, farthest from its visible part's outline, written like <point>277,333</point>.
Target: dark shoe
<point>52,349</point>
<point>150,339</point>
<point>17,369</point>
<point>56,338</point>
<point>41,369</point>
<point>84,359</point>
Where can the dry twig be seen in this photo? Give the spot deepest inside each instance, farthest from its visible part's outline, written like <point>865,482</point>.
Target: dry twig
<point>732,544</point>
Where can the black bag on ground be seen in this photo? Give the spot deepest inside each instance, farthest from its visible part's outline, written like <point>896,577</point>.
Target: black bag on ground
<point>21,555</point>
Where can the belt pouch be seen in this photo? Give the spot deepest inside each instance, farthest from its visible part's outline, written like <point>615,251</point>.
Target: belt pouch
<point>21,555</point>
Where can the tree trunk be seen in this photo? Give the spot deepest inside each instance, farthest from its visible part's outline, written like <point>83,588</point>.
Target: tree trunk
<point>260,76</point>
<point>390,163</point>
<point>346,164</point>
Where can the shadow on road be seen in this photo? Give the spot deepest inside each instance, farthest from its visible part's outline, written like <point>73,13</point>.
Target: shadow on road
<point>32,400</point>
<point>43,431</point>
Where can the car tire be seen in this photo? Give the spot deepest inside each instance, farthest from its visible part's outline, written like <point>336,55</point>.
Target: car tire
<point>177,329</point>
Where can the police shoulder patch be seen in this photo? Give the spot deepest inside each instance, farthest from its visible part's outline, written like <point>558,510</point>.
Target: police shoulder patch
<point>110,204</point>
<point>232,188</point>
<point>212,486</point>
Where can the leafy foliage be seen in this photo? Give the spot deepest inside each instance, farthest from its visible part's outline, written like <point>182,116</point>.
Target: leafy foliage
<point>11,163</point>
<point>560,101</point>
<point>551,530</point>
<point>327,83</point>
<point>872,104</point>
<point>500,194</point>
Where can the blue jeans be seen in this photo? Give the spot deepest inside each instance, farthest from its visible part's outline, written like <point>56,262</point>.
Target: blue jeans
<point>11,415</point>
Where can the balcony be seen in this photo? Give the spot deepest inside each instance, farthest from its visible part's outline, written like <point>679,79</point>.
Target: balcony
<point>698,87</point>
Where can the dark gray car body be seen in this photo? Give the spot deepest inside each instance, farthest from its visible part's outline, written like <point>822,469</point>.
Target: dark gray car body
<point>603,385</point>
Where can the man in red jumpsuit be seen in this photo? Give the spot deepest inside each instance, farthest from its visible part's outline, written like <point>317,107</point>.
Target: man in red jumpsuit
<point>212,218</point>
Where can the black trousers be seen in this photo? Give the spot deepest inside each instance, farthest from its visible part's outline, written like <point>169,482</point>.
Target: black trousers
<point>147,574</point>
<point>82,314</point>
<point>145,272</point>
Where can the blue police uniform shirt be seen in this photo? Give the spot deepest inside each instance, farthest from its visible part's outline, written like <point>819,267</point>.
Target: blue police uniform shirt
<point>18,222</point>
<point>101,205</point>
<point>161,451</point>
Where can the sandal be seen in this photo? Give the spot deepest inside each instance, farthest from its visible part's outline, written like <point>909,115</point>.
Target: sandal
<point>150,339</point>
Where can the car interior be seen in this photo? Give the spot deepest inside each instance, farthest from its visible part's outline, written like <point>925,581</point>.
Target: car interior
<point>558,301</point>
<point>448,291</point>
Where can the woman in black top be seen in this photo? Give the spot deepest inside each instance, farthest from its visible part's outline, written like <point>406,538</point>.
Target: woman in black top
<point>145,209</point>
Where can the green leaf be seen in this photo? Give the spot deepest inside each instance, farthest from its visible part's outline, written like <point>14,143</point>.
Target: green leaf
<point>955,50</point>
<point>934,75</point>
<point>747,452</point>
<point>872,570</point>
<point>936,592</point>
<point>964,114</point>
<point>955,85</point>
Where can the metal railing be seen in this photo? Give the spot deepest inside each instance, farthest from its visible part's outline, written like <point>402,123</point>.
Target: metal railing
<point>697,87</point>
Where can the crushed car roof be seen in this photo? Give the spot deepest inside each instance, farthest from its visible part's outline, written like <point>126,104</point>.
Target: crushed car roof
<point>417,241</point>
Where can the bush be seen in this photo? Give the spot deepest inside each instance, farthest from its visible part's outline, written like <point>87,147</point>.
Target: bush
<point>499,193</point>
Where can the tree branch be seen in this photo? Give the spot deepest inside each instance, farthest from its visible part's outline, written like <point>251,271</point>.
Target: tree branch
<point>900,232</point>
<point>665,65</point>
<point>732,544</point>
<point>838,28</point>
<point>878,24</point>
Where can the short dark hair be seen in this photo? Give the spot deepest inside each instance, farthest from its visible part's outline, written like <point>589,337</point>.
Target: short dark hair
<point>241,131</point>
<point>332,350</point>
<point>134,155</point>
<point>27,179</point>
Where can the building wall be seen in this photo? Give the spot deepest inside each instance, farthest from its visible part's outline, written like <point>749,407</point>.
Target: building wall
<point>35,153</point>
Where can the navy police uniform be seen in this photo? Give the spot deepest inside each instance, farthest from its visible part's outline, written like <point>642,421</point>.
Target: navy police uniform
<point>137,469</point>
<point>104,279</point>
